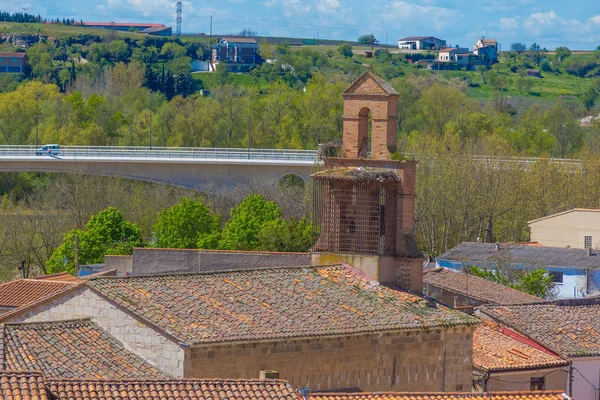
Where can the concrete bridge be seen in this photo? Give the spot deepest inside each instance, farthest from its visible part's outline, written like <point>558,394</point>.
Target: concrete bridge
<point>193,168</point>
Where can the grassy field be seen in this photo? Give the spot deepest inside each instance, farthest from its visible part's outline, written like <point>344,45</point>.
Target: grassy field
<point>58,31</point>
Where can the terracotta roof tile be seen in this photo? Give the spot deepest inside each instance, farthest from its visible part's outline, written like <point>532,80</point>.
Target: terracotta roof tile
<point>358,174</point>
<point>70,349</point>
<point>543,395</point>
<point>60,277</point>
<point>476,287</point>
<point>26,291</point>
<point>272,303</point>
<point>22,385</point>
<point>497,348</point>
<point>570,328</point>
<point>188,389</point>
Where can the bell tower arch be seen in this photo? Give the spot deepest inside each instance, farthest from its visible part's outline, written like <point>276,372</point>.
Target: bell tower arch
<point>370,96</point>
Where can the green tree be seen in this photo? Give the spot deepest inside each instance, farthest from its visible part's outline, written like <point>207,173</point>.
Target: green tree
<point>286,235</point>
<point>106,233</point>
<point>368,39</point>
<point>562,53</point>
<point>345,50</point>
<point>118,50</point>
<point>518,47</point>
<point>185,224</point>
<point>536,283</point>
<point>248,219</point>
<point>173,50</point>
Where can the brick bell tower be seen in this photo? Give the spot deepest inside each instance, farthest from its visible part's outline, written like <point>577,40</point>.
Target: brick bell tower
<point>364,202</point>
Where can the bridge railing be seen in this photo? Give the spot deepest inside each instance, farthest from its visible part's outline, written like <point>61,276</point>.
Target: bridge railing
<point>166,152</point>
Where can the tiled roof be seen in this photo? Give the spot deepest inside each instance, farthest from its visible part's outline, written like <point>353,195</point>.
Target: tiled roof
<point>358,174</point>
<point>497,348</point>
<point>516,254</point>
<point>272,303</point>
<point>13,54</point>
<point>70,349</point>
<point>417,38</point>
<point>543,395</point>
<point>22,385</point>
<point>570,328</point>
<point>188,389</point>
<point>476,287</point>
<point>60,277</point>
<point>26,291</point>
<point>383,84</point>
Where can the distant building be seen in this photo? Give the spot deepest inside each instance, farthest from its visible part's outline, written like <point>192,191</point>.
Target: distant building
<point>506,360</point>
<point>486,50</point>
<point>454,55</point>
<point>569,328</point>
<point>578,229</point>
<point>457,289</point>
<point>12,62</point>
<point>150,29</point>
<point>240,54</point>
<point>421,43</point>
<point>576,272</point>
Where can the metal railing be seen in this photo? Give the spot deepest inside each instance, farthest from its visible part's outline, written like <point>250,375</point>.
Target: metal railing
<point>165,153</point>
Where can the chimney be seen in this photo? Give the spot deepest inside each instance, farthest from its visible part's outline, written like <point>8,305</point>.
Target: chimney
<point>590,251</point>
<point>269,374</point>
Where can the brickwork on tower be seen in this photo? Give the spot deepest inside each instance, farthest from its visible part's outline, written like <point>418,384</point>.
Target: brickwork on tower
<point>364,202</point>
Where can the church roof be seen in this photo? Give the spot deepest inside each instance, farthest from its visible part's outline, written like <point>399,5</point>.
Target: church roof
<point>362,86</point>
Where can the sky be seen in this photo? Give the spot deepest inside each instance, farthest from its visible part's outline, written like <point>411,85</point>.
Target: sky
<point>549,23</point>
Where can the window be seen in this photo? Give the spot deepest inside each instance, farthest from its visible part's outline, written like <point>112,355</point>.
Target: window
<point>557,276</point>
<point>587,242</point>
<point>537,384</point>
<point>15,60</point>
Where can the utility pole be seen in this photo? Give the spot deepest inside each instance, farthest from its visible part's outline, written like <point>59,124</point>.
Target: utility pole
<point>178,19</point>
<point>318,29</point>
<point>249,116</point>
<point>37,98</point>
<point>76,253</point>
<point>211,25</point>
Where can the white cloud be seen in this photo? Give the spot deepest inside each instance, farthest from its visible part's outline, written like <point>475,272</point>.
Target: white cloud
<point>538,23</point>
<point>595,20</point>
<point>328,6</point>
<point>435,18</point>
<point>290,8</point>
<point>509,24</point>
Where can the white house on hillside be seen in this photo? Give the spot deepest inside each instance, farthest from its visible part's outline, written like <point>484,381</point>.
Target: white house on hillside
<point>421,43</point>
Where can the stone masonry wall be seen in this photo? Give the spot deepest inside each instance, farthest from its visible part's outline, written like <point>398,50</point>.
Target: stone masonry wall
<point>438,360</point>
<point>137,337</point>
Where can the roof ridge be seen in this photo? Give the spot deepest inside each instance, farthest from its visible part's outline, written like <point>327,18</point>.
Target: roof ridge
<point>168,380</point>
<point>225,271</point>
<point>462,394</point>
<point>54,322</point>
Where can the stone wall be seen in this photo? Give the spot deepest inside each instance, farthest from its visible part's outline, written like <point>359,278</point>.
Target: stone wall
<point>137,337</point>
<point>152,261</point>
<point>439,360</point>
<point>446,296</point>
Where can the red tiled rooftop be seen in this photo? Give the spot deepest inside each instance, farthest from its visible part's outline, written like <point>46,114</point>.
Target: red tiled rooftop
<point>22,385</point>
<point>19,55</point>
<point>26,291</point>
<point>570,328</point>
<point>497,348</point>
<point>542,395</point>
<point>272,303</point>
<point>70,349</point>
<point>476,288</point>
<point>60,277</point>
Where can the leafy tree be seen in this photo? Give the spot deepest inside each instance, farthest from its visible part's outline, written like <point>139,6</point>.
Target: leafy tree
<point>242,231</point>
<point>345,50</point>
<point>185,224</point>
<point>106,233</point>
<point>286,235</point>
<point>172,50</point>
<point>537,283</point>
<point>518,47</point>
<point>96,52</point>
<point>536,53</point>
<point>368,39</point>
<point>118,50</point>
<point>562,53</point>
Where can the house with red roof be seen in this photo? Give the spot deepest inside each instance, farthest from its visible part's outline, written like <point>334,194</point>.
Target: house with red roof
<point>13,62</point>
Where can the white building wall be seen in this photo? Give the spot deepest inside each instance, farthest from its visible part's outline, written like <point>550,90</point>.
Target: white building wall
<point>136,336</point>
<point>568,229</point>
<point>586,372</point>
